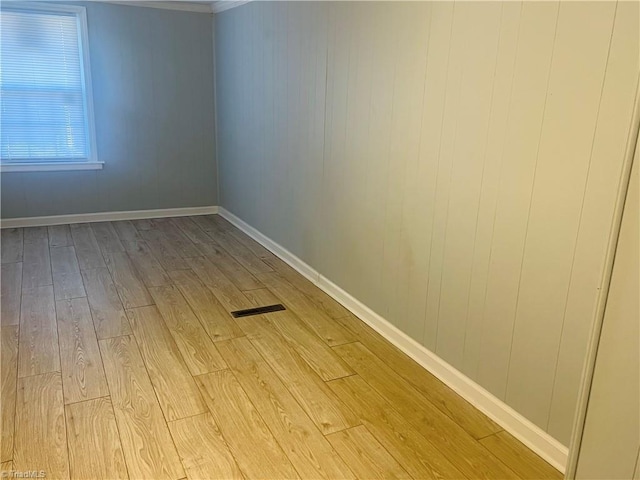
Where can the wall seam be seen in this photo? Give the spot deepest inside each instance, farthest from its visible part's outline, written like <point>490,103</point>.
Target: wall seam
<point>216,159</point>
<point>584,196</point>
<point>533,185</point>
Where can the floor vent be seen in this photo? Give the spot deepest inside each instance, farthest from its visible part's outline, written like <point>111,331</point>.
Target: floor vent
<point>258,311</point>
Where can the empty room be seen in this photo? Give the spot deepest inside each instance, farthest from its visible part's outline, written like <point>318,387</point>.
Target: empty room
<point>320,239</point>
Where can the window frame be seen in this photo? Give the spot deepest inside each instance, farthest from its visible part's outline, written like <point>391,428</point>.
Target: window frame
<point>91,161</point>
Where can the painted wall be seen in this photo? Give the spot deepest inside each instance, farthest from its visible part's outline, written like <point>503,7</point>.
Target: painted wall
<point>152,73</point>
<point>611,438</point>
<point>454,166</point>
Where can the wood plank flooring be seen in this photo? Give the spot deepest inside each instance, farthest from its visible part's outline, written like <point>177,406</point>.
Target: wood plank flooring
<point>120,359</point>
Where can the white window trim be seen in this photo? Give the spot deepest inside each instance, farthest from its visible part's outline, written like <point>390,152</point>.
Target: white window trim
<point>50,166</point>
<point>91,162</point>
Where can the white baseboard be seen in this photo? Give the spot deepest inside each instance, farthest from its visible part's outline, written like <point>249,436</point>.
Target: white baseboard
<point>524,430</point>
<point>105,216</point>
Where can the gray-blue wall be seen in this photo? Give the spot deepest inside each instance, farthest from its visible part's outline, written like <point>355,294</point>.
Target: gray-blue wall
<point>152,73</point>
<point>455,167</point>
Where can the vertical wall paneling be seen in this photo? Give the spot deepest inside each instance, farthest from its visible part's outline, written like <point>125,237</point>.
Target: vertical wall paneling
<point>446,148</point>
<point>611,435</point>
<point>607,154</point>
<point>562,168</point>
<point>482,22</point>
<point>494,159</point>
<point>452,165</point>
<point>421,184</point>
<point>408,92</point>
<point>536,37</point>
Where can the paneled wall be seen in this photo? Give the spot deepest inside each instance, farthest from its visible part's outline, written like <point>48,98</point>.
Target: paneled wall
<point>152,73</point>
<point>454,166</point>
<point>611,439</point>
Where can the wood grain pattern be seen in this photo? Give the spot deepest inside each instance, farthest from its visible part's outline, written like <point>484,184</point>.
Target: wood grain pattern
<point>450,439</point>
<point>35,234</point>
<point>229,266</point>
<point>108,314</point>
<point>41,435</point>
<point>148,450</point>
<point>68,285</point>
<point>87,248</point>
<point>324,326</point>
<point>446,400</point>
<point>208,272</point>
<point>9,366</point>
<point>60,236</point>
<point>231,298</point>
<point>177,392</point>
<point>36,266</point>
<point>38,346</point>
<point>317,400</point>
<point>241,425</point>
<point>174,236</point>
<point>95,451</point>
<point>415,453</point>
<point>130,288</point>
<point>384,416</point>
<point>308,451</point>
<point>107,237</point>
<point>12,242</point>
<point>146,265</point>
<point>257,249</point>
<point>242,254</point>
<point>207,224</point>
<point>163,250</point>
<point>365,456</point>
<point>67,281</point>
<point>191,230</point>
<point>315,352</point>
<point>225,291</point>
<point>142,224</point>
<point>214,318</point>
<point>204,452</point>
<point>82,371</point>
<point>221,231</point>
<point>126,231</point>
<point>11,288</point>
<point>519,458</point>
<point>197,349</point>
<point>221,224</point>
<point>321,299</point>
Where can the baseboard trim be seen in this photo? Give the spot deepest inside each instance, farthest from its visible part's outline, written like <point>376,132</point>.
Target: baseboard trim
<point>524,430</point>
<point>105,216</point>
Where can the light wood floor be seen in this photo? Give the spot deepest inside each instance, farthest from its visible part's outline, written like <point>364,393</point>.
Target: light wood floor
<point>120,360</point>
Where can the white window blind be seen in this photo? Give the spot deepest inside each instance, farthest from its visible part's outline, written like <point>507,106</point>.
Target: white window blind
<point>45,111</point>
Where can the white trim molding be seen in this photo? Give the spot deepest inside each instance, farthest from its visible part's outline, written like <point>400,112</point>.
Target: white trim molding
<point>524,430</point>
<point>185,6</point>
<point>49,166</point>
<point>106,216</point>
<point>222,5</point>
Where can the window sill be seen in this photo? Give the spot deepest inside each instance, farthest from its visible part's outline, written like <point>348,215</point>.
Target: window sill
<point>50,166</point>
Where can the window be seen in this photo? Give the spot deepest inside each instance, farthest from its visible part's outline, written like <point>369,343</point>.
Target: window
<point>46,118</point>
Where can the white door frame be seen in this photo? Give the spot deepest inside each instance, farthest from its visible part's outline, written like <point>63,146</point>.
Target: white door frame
<point>633,145</point>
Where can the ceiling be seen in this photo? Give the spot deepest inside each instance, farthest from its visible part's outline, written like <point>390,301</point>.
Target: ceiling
<point>188,5</point>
